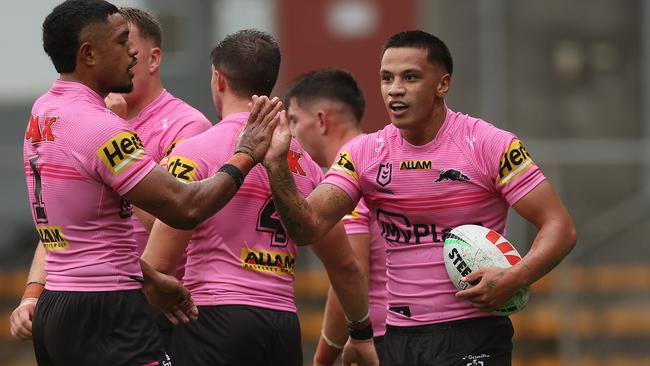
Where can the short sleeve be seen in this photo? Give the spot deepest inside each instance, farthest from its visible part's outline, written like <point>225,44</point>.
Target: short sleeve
<point>356,222</point>
<point>110,152</point>
<point>344,173</point>
<point>509,165</point>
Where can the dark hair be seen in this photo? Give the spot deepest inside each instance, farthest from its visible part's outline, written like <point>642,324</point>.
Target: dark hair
<point>62,27</point>
<point>437,51</point>
<point>148,26</point>
<point>250,60</point>
<point>333,84</point>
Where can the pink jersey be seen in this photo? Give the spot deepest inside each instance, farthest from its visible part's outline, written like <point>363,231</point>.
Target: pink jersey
<point>360,221</point>
<point>242,254</point>
<point>80,158</point>
<point>161,125</point>
<point>469,174</point>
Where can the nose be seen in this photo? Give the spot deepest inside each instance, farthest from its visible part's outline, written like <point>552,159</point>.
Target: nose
<point>396,88</point>
<point>132,50</point>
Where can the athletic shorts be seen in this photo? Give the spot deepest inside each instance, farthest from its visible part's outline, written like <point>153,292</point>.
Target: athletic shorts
<point>237,335</point>
<point>477,342</point>
<point>379,346</point>
<point>111,328</point>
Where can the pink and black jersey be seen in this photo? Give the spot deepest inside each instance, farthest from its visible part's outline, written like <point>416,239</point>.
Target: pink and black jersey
<point>80,158</point>
<point>469,174</point>
<point>161,125</point>
<point>360,221</point>
<point>241,255</point>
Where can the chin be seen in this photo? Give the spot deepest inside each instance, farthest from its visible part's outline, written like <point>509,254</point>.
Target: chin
<point>123,89</point>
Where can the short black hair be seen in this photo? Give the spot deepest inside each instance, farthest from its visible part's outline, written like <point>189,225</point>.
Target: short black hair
<point>146,23</point>
<point>437,51</point>
<point>333,84</point>
<point>250,60</point>
<point>63,26</point>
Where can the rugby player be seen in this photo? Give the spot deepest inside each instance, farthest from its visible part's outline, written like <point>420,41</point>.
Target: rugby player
<point>240,263</point>
<point>84,165</point>
<point>429,171</point>
<point>324,108</point>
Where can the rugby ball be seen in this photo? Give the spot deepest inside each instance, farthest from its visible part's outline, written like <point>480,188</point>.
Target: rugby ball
<point>471,247</point>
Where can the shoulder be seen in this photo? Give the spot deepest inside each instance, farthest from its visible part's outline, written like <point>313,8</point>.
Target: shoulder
<point>474,134</point>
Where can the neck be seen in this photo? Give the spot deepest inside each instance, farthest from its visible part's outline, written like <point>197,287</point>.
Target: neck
<point>81,78</point>
<point>422,134</point>
<point>153,90</point>
<point>234,104</point>
<point>335,141</point>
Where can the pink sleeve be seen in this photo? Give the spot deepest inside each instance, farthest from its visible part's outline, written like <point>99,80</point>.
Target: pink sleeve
<point>513,171</point>
<point>110,152</point>
<point>181,130</point>
<point>344,173</point>
<point>356,222</point>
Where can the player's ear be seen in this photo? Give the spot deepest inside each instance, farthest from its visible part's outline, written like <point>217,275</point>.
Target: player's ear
<point>323,122</point>
<point>221,80</point>
<point>442,89</point>
<point>86,54</point>
<point>154,59</point>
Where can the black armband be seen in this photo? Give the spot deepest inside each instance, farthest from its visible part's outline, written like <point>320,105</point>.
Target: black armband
<point>234,172</point>
<point>361,334</point>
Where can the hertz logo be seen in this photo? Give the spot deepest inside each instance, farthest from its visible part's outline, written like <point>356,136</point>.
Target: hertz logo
<point>415,165</point>
<point>514,162</point>
<point>264,261</point>
<point>121,151</point>
<point>345,164</point>
<point>52,237</point>
<point>182,168</point>
<point>171,147</point>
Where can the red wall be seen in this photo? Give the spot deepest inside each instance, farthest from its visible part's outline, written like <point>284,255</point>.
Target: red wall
<point>308,44</point>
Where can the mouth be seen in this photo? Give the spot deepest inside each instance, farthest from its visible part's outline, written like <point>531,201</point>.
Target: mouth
<point>397,108</point>
<point>133,63</point>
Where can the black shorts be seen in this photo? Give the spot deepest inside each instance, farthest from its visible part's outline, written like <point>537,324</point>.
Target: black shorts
<point>238,335</point>
<point>379,346</point>
<point>96,328</point>
<point>476,342</point>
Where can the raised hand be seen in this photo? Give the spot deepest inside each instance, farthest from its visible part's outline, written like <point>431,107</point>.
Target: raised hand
<point>280,142</point>
<point>256,136</point>
<point>117,104</point>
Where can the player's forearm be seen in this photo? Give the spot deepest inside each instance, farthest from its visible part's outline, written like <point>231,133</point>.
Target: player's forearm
<point>37,270</point>
<point>334,324</point>
<point>351,287</point>
<point>297,215</point>
<point>552,243</point>
<point>165,247</point>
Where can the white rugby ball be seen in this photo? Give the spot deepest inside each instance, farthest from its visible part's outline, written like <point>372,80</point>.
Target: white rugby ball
<point>471,247</point>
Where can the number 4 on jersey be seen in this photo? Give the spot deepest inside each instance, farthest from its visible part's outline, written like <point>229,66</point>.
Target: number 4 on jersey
<point>268,221</point>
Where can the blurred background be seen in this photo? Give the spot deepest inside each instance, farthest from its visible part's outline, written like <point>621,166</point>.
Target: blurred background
<point>570,78</point>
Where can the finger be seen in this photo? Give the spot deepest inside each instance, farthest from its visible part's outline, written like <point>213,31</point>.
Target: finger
<point>170,317</point>
<point>194,313</point>
<point>258,103</point>
<point>23,334</point>
<point>470,293</point>
<point>180,315</point>
<point>474,277</point>
<point>27,325</point>
<point>272,114</point>
<point>262,118</point>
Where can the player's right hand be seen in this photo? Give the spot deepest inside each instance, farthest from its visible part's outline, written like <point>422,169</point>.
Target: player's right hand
<point>358,352</point>
<point>117,104</point>
<point>325,354</point>
<point>21,319</point>
<point>256,136</point>
<point>166,293</point>
<point>280,143</point>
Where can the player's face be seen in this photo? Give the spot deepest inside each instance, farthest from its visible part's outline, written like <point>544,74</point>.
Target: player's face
<point>409,85</point>
<point>116,56</point>
<point>142,70</point>
<point>305,127</point>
